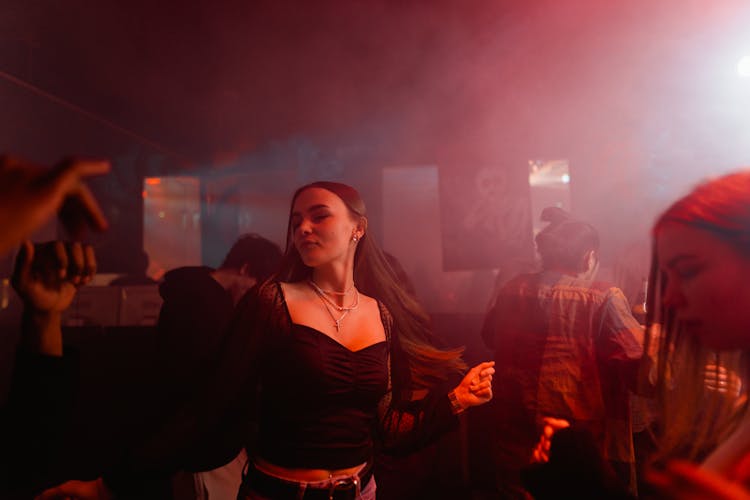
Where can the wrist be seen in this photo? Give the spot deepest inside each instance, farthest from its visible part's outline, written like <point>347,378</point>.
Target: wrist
<point>41,316</point>
<point>457,407</point>
<point>36,320</point>
<point>42,332</point>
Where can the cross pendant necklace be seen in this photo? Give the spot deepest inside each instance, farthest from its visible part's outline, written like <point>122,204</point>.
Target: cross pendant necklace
<point>336,322</point>
<point>328,307</point>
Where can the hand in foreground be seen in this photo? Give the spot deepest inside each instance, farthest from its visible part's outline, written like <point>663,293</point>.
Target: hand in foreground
<point>686,481</point>
<point>77,490</point>
<point>46,278</point>
<point>476,387</point>
<point>47,275</point>
<point>30,195</point>
<point>551,425</point>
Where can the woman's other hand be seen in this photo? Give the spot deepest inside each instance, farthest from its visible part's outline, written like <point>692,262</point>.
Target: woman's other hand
<point>476,387</point>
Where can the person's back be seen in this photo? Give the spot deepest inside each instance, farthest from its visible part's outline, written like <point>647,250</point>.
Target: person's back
<point>548,340</point>
<point>198,307</point>
<point>198,303</point>
<point>564,346</point>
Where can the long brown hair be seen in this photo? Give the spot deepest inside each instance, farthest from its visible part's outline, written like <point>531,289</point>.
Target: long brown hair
<point>695,418</point>
<point>374,276</point>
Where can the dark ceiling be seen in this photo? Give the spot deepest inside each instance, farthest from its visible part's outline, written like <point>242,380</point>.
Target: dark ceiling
<point>642,96</point>
<point>201,78</point>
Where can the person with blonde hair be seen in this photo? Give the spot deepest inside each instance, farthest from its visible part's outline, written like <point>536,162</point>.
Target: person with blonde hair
<point>699,325</point>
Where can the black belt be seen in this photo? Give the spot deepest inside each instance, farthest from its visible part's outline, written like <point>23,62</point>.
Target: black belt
<point>277,488</point>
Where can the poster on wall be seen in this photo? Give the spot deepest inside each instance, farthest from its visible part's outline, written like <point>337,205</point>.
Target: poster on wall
<point>485,217</point>
<point>549,185</point>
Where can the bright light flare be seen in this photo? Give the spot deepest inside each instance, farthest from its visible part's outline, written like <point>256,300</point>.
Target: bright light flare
<point>743,67</point>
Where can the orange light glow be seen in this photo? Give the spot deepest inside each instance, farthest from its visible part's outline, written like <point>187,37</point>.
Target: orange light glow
<point>153,181</point>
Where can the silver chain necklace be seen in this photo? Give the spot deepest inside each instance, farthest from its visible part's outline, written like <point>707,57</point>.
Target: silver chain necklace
<point>331,292</point>
<point>322,294</point>
<point>328,304</point>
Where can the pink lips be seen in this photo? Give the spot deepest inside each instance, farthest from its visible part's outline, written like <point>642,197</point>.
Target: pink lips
<point>307,244</point>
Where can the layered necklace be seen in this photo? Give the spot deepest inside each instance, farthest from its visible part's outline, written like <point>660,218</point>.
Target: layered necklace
<point>331,306</point>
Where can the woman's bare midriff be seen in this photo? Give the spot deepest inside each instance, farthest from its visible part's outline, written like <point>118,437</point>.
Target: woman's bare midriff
<point>310,475</point>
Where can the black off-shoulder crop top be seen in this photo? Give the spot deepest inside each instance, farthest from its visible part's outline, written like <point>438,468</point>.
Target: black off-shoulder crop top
<point>319,400</point>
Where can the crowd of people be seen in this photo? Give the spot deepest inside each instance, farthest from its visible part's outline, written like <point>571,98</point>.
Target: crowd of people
<point>284,373</point>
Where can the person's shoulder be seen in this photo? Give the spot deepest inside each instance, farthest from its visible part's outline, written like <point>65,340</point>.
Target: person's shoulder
<point>606,289</point>
<point>269,288</point>
<point>368,301</point>
<point>291,289</point>
<point>263,298</point>
<point>267,291</point>
<point>607,294</point>
<point>188,282</point>
<point>373,303</point>
<point>187,271</point>
<point>602,285</point>
<point>186,276</point>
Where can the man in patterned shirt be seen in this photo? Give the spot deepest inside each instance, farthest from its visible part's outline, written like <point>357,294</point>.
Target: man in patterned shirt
<point>566,347</point>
